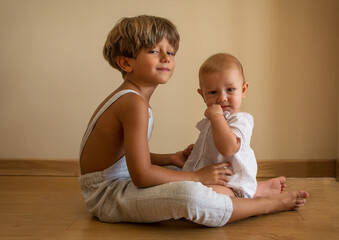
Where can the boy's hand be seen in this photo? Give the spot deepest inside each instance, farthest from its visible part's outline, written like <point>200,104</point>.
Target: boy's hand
<point>187,152</point>
<point>179,158</point>
<point>215,174</point>
<point>213,110</point>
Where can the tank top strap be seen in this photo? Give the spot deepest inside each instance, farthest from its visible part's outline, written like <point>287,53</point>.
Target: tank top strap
<point>110,101</point>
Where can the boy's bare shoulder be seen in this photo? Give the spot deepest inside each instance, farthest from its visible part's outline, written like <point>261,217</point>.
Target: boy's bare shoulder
<point>132,100</point>
<point>131,105</point>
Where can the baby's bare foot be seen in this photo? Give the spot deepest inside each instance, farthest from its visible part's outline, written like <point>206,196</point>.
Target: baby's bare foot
<point>271,187</point>
<point>301,199</point>
<point>289,201</point>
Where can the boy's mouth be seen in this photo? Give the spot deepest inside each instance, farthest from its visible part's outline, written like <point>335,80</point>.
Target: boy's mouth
<point>164,69</point>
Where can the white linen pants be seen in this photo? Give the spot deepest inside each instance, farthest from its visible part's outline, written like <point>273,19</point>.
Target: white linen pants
<point>111,196</point>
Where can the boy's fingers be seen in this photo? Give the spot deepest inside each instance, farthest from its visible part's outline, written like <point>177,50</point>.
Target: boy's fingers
<point>225,171</point>
<point>224,178</point>
<point>222,165</point>
<point>222,183</point>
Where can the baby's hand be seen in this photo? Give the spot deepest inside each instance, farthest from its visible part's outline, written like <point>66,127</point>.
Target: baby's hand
<point>213,110</point>
<point>215,174</point>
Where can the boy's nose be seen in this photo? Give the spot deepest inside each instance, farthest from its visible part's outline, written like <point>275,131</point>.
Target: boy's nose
<point>164,57</point>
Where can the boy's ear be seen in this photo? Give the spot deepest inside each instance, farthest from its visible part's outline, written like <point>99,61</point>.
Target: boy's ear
<point>124,63</point>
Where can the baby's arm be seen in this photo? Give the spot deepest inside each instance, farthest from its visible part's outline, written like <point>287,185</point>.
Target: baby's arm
<point>225,140</point>
<point>138,157</point>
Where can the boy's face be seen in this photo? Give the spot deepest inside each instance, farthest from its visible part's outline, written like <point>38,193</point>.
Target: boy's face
<point>154,66</point>
<point>225,88</point>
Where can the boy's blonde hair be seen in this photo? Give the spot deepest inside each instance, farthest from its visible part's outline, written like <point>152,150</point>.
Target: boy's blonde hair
<point>130,35</point>
<point>218,63</point>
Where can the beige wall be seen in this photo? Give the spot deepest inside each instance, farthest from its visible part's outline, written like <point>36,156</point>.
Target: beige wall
<point>53,75</point>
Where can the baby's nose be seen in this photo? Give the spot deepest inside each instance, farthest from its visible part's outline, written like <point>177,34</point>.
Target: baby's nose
<point>222,97</point>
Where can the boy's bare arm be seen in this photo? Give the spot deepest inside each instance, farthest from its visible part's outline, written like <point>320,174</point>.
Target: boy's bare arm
<point>177,159</point>
<point>225,140</point>
<point>161,159</point>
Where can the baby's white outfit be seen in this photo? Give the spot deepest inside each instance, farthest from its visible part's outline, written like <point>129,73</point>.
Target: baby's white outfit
<point>111,195</point>
<point>243,163</point>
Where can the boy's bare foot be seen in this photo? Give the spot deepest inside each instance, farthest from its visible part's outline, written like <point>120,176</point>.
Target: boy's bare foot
<point>288,201</point>
<point>271,187</point>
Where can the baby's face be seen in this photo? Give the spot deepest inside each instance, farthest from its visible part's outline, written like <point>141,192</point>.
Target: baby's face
<point>225,88</point>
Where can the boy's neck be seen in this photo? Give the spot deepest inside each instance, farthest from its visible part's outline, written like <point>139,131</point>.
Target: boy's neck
<point>134,84</point>
<point>145,92</point>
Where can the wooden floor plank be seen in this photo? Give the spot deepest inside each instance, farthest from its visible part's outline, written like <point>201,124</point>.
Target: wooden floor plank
<point>52,208</point>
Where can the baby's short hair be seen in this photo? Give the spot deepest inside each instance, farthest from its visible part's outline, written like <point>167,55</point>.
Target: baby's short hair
<point>219,62</point>
<point>130,35</point>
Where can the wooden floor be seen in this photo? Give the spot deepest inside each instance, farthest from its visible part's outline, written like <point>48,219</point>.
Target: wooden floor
<point>52,208</point>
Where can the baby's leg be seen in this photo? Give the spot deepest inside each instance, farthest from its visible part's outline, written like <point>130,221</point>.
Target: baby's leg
<point>222,190</point>
<point>264,189</point>
<point>271,187</point>
<point>244,208</point>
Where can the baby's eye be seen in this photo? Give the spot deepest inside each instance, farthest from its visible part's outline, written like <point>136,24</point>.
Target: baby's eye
<point>230,89</point>
<point>212,92</point>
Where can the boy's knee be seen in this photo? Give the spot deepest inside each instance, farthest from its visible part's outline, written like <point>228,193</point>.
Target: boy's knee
<point>199,203</point>
<point>188,191</point>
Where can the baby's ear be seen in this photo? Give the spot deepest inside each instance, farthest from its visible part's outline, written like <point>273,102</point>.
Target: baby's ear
<point>200,92</point>
<point>244,89</point>
<point>124,63</point>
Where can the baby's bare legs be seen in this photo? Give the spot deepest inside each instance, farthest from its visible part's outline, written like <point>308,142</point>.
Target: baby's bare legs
<point>264,188</point>
<point>222,190</point>
<point>271,187</point>
<point>244,208</point>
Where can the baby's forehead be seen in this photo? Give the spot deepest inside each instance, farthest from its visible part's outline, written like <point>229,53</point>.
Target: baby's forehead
<point>231,74</point>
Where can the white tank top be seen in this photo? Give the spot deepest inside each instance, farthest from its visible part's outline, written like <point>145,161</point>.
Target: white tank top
<point>104,108</point>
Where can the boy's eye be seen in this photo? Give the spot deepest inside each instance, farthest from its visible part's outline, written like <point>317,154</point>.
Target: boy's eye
<point>171,53</point>
<point>152,51</point>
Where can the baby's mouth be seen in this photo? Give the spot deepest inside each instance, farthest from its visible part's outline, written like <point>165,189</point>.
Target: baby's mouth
<point>225,107</point>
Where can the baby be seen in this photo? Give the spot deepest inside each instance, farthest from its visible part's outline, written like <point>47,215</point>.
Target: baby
<point>225,133</point>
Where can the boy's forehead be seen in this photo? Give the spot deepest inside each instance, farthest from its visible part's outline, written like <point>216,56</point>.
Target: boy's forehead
<point>164,41</point>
